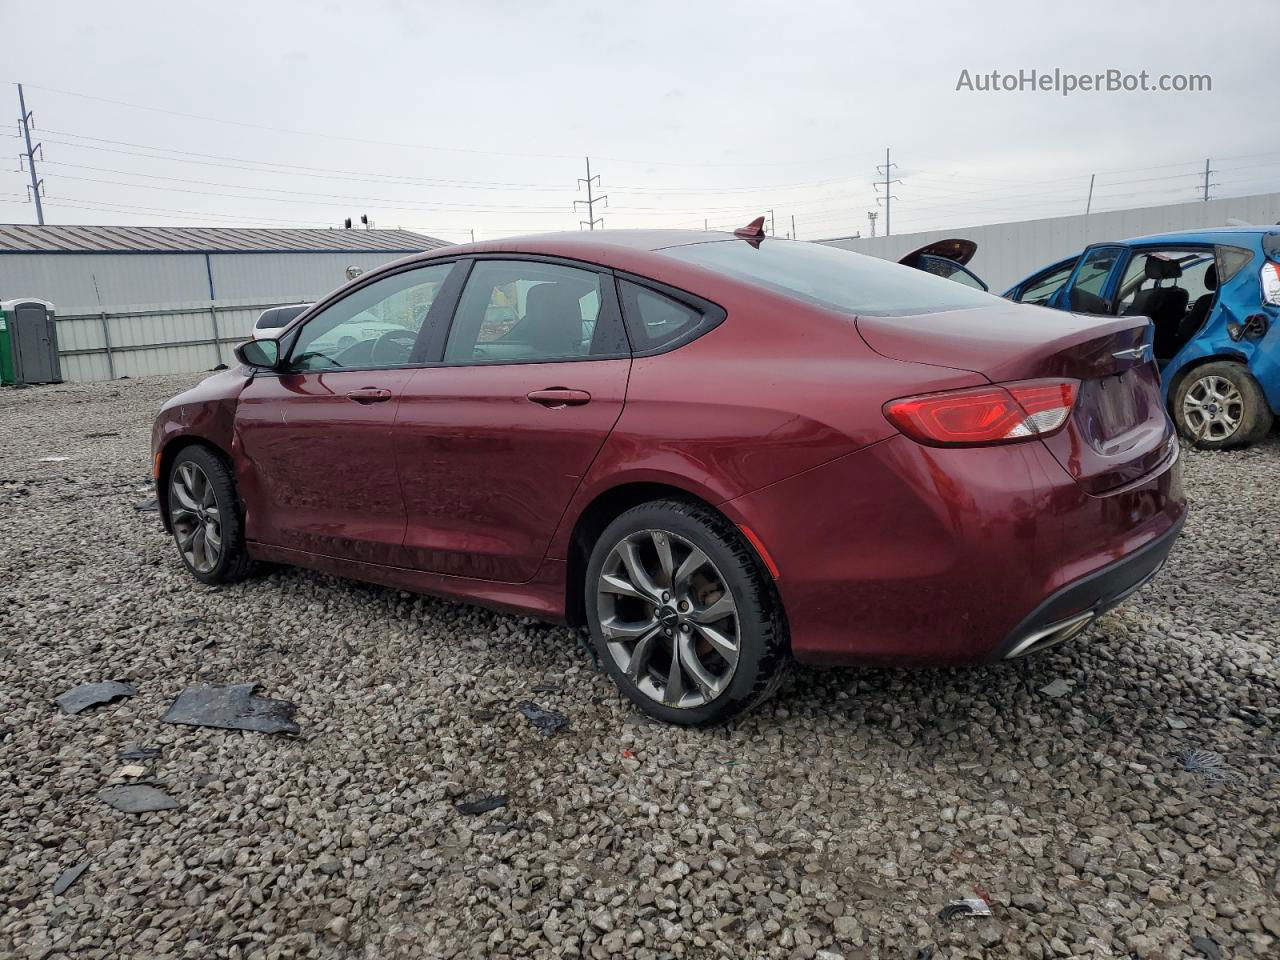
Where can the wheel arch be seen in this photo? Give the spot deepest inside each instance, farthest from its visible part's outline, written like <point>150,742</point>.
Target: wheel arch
<point>1184,371</point>
<point>168,453</point>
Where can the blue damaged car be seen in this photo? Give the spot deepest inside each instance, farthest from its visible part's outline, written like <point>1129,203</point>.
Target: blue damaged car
<point>1213,296</point>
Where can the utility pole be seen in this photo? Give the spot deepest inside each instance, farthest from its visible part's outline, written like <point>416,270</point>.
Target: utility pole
<point>887,183</point>
<point>1089,203</point>
<point>704,224</point>
<point>473,234</point>
<point>772,232</point>
<point>1207,171</point>
<point>871,215</point>
<point>36,182</point>
<point>793,226</point>
<point>591,200</point>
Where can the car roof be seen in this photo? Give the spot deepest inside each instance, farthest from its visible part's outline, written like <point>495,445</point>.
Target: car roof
<point>634,251</point>
<point>1205,234</point>
<point>623,249</point>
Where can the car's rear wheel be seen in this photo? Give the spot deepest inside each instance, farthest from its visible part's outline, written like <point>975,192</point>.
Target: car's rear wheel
<point>1220,405</point>
<point>204,512</point>
<point>683,615</point>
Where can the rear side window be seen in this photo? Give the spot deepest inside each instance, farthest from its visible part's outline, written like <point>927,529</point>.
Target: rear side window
<point>1231,260</point>
<point>655,320</point>
<point>832,277</point>
<point>519,311</point>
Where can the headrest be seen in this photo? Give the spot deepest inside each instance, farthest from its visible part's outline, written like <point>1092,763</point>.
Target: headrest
<point>555,318</point>
<point>1211,277</point>
<point>1159,268</point>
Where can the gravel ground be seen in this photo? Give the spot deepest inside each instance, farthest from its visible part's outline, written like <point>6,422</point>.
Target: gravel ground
<point>834,822</point>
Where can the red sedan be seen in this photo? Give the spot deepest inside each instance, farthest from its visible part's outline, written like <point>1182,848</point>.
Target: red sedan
<point>716,451</point>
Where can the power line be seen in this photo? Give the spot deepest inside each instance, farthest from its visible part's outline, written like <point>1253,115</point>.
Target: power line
<point>364,141</point>
<point>300,193</point>
<point>266,166</point>
<point>383,203</point>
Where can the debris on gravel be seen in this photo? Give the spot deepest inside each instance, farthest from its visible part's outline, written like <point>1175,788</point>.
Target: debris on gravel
<point>232,707</point>
<point>135,752</point>
<point>968,907</point>
<point>1057,688</point>
<point>547,722</point>
<point>834,821</point>
<point>137,798</point>
<point>67,877</point>
<point>93,694</point>
<point>483,805</point>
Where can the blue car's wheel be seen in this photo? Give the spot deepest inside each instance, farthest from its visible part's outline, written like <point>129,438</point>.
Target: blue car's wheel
<point>1220,405</point>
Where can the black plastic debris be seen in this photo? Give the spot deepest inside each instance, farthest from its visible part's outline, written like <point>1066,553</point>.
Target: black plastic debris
<point>67,877</point>
<point>1208,948</point>
<point>548,722</point>
<point>98,436</point>
<point>147,506</point>
<point>483,805</point>
<point>136,752</point>
<point>92,694</point>
<point>137,798</point>
<point>232,707</point>
<point>546,686</point>
<point>972,907</point>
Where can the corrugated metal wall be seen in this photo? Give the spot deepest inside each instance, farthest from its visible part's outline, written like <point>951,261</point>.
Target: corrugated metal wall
<point>162,299</point>
<point>1007,252</point>
<point>148,340</point>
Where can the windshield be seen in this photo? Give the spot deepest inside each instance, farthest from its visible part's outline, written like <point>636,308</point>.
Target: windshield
<point>832,277</point>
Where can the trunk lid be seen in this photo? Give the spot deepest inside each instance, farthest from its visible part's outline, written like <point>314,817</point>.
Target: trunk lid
<point>1118,431</point>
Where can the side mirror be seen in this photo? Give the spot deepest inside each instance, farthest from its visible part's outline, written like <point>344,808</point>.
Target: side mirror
<point>263,354</point>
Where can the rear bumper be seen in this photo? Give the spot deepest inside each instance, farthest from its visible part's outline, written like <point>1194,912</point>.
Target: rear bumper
<point>904,554</point>
<point>1072,609</point>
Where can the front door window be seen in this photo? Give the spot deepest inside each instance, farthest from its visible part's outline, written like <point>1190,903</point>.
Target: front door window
<point>372,328</point>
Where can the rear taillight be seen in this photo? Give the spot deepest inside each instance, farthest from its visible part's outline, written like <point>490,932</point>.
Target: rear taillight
<point>977,416</point>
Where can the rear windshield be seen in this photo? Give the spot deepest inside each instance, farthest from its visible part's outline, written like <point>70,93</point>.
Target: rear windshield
<point>832,277</point>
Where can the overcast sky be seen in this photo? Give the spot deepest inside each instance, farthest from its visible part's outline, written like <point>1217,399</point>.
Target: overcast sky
<point>452,117</point>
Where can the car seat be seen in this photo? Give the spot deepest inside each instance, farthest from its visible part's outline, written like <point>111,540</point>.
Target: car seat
<point>1166,306</point>
<point>1199,311</point>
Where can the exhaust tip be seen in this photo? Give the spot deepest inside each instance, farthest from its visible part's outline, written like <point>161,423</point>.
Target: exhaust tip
<point>1051,636</point>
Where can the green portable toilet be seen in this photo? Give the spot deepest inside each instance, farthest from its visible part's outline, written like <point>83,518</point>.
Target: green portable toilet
<point>28,342</point>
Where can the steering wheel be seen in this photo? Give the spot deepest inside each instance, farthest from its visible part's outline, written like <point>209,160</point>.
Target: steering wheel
<point>399,341</point>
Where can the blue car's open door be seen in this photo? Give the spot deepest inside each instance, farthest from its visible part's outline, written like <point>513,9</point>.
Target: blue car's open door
<point>1093,282</point>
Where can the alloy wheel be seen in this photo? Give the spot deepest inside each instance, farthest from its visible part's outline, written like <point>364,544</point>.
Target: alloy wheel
<point>197,523</point>
<point>669,619</point>
<point>1213,408</point>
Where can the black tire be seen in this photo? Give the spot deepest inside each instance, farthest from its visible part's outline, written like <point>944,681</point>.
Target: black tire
<point>1255,417</point>
<point>763,649</point>
<point>233,561</point>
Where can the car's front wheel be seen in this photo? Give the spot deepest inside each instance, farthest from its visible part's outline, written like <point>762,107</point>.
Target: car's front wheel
<point>1220,405</point>
<point>683,615</point>
<point>204,512</point>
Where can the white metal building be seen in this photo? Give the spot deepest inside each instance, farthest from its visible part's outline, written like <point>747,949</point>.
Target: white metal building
<point>1007,252</point>
<point>136,301</point>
